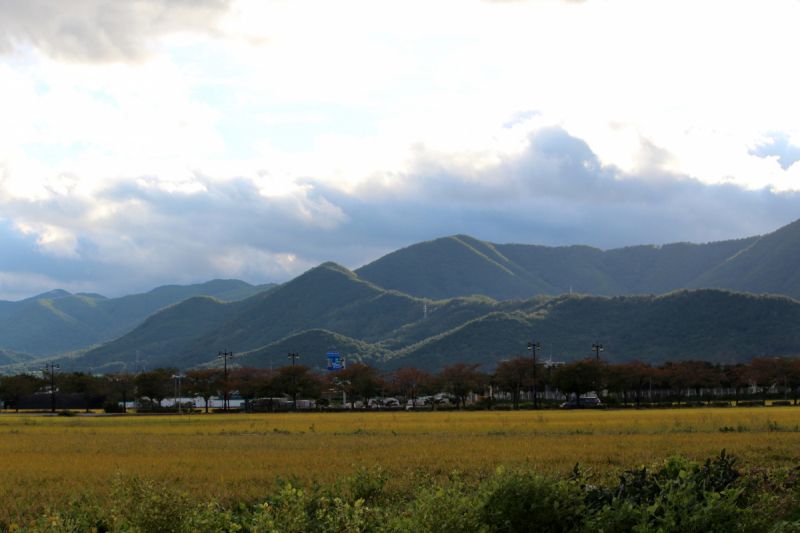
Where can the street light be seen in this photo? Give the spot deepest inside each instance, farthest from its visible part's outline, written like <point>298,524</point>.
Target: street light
<point>293,356</point>
<point>533,347</point>
<point>597,349</point>
<point>225,356</point>
<point>52,370</point>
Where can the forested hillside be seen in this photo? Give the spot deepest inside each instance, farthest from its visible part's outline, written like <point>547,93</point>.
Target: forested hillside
<point>770,265</point>
<point>463,266</point>
<point>63,323</point>
<point>437,302</point>
<point>329,308</point>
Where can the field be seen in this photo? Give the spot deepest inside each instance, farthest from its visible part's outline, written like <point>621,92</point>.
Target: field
<point>48,460</point>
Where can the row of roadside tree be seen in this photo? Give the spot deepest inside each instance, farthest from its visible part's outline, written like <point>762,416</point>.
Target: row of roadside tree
<point>512,378</point>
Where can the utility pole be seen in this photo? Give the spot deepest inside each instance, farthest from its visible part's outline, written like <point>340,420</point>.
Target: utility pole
<point>225,356</point>
<point>51,368</point>
<point>177,380</point>
<point>344,394</point>
<point>293,356</point>
<point>533,347</point>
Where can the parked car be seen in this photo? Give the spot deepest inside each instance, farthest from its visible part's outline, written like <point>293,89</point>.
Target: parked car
<point>586,401</point>
<point>377,403</point>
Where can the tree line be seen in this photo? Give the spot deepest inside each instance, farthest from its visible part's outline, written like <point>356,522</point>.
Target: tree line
<point>514,377</point>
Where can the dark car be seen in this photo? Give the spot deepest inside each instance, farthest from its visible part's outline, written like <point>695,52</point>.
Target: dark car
<point>589,401</point>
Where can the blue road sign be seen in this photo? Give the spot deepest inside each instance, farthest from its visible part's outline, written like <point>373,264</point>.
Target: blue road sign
<point>334,361</point>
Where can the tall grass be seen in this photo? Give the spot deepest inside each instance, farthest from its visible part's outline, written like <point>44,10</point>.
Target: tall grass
<point>231,459</point>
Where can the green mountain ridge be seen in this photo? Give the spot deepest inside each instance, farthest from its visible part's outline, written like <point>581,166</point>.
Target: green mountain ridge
<point>462,266</point>
<point>455,298</point>
<point>315,341</point>
<point>8,307</point>
<point>47,327</point>
<point>769,265</point>
<point>8,357</point>
<point>707,324</point>
<point>329,308</point>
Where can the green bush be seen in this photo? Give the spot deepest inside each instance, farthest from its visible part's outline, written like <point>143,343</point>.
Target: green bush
<point>781,402</point>
<point>677,496</point>
<point>524,502</point>
<point>751,403</point>
<point>66,412</point>
<point>150,506</point>
<point>112,406</point>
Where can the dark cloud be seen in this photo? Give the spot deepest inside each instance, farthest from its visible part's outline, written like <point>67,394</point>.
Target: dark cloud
<point>779,146</point>
<point>556,192</point>
<point>102,31</point>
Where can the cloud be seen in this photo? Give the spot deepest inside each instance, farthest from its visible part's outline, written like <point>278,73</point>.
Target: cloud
<point>103,31</point>
<point>778,144</point>
<point>520,117</point>
<point>557,192</point>
<point>134,233</point>
<point>141,156</point>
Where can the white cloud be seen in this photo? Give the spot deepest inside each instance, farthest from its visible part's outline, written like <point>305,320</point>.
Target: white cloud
<point>213,135</point>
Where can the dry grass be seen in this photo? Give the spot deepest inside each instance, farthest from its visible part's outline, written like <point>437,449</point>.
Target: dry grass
<point>46,460</point>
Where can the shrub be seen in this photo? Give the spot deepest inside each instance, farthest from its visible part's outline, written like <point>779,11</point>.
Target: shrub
<point>367,484</point>
<point>751,403</point>
<point>150,506</point>
<point>781,402</point>
<point>526,502</point>
<point>719,404</point>
<point>442,509</point>
<point>66,412</point>
<point>112,406</point>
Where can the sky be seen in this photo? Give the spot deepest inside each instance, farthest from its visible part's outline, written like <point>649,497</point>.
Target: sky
<point>152,142</point>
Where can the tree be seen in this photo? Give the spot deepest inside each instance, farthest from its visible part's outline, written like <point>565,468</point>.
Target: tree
<point>702,374</point>
<point>85,385</point>
<point>618,382</point>
<point>763,372</point>
<point>411,382</point>
<point>155,385</point>
<point>358,379</point>
<point>15,388</point>
<point>514,375</point>
<point>790,370</point>
<point>734,377</point>
<point>680,377</point>
<point>121,382</point>
<point>246,382</point>
<point>296,380</point>
<point>634,376</point>
<point>462,378</point>
<point>267,386</point>
<point>579,377</point>
<point>50,381</point>
<point>204,383</point>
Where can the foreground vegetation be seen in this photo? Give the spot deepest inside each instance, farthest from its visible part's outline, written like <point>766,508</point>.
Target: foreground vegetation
<point>677,495</point>
<point>428,462</point>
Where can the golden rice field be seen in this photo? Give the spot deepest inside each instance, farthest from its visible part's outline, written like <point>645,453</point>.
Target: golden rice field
<point>47,460</point>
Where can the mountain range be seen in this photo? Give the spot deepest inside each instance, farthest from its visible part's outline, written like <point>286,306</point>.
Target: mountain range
<point>461,266</point>
<point>442,301</point>
<point>57,321</point>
